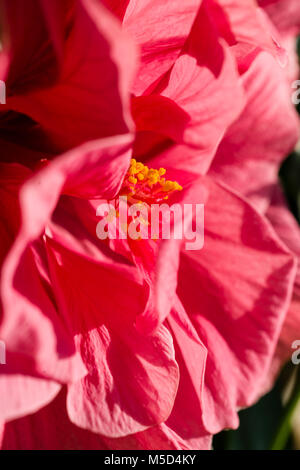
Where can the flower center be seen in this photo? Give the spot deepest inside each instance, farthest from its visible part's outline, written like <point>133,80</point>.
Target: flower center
<point>147,184</point>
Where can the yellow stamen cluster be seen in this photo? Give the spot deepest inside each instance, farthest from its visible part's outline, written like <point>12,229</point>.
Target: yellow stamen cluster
<point>139,176</point>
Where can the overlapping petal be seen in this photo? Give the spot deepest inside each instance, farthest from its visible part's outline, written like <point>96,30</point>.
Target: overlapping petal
<point>22,395</point>
<point>250,153</point>
<point>60,433</point>
<point>166,26</point>
<point>285,14</point>
<point>84,103</point>
<point>287,228</point>
<point>132,381</point>
<point>155,346</point>
<point>38,341</point>
<point>231,17</point>
<point>246,276</point>
<point>37,65</point>
<point>200,84</point>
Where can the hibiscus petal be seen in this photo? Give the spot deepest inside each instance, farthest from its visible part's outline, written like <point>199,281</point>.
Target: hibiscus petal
<point>11,179</point>
<point>132,378</point>
<point>28,304</point>
<point>285,14</point>
<point>86,103</point>
<point>160,29</point>
<point>21,326</point>
<point>60,433</point>
<point>288,229</point>
<point>236,290</point>
<point>131,385</point>
<point>30,432</point>
<point>205,102</point>
<point>21,395</point>
<point>85,271</point>
<point>186,417</point>
<point>38,64</point>
<point>1,433</point>
<point>37,341</point>
<point>249,155</point>
<point>160,266</point>
<point>231,19</point>
<point>118,7</point>
<point>160,437</point>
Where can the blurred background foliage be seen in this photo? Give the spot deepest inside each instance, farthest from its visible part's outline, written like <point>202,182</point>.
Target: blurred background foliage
<point>274,422</point>
<point>269,424</point>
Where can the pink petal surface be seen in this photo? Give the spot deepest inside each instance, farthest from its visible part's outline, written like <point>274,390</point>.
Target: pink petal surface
<point>131,385</point>
<point>231,16</point>
<point>80,106</point>
<point>22,395</point>
<point>118,7</point>
<point>20,350</point>
<point>45,28</point>
<point>29,304</point>
<point>202,101</point>
<point>31,433</point>
<point>191,354</point>
<point>285,14</point>
<point>162,274</point>
<point>1,432</point>
<point>84,280</point>
<point>158,438</point>
<point>288,229</point>
<point>160,29</point>
<point>249,155</point>
<point>246,278</point>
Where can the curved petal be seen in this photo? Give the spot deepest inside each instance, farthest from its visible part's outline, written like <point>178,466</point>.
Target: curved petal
<point>37,65</point>
<point>198,93</point>
<point>249,155</point>
<point>43,338</point>
<point>236,291</point>
<point>160,29</point>
<point>285,14</point>
<point>191,355</point>
<point>132,378</point>
<point>20,325</point>
<point>85,103</point>
<point>30,433</point>
<point>160,437</point>
<point>231,16</point>
<point>160,265</point>
<point>131,385</point>
<point>86,274</point>
<point>22,395</point>
<point>288,230</point>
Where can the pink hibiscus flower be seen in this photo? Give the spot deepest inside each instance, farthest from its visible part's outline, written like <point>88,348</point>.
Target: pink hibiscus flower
<point>130,344</point>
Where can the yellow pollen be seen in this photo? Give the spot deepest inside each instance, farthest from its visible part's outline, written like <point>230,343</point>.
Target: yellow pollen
<point>169,186</point>
<point>139,166</point>
<point>132,180</point>
<point>145,171</point>
<point>153,179</point>
<point>148,183</point>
